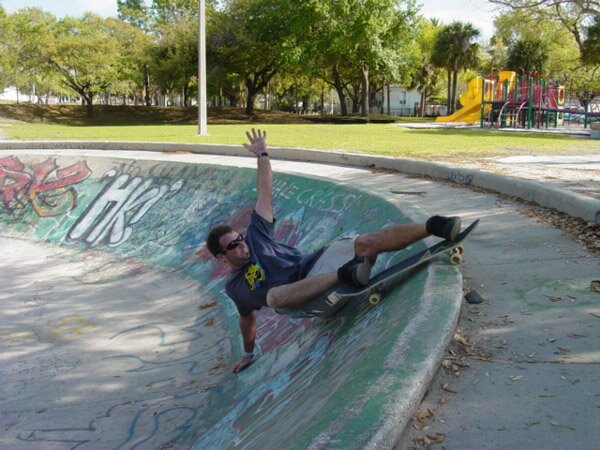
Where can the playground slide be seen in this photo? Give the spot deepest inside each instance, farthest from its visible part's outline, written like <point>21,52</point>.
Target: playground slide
<point>471,104</point>
<point>471,99</point>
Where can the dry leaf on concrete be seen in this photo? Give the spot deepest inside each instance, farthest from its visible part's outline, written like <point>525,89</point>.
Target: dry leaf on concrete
<point>447,388</point>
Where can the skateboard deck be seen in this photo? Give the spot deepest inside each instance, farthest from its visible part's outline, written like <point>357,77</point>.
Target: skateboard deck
<point>381,283</point>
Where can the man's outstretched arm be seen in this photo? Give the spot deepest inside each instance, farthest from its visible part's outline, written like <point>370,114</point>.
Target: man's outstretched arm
<point>248,328</point>
<point>258,146</point>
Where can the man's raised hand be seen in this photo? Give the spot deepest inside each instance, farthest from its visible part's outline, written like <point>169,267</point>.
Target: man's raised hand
<point>258,141</point>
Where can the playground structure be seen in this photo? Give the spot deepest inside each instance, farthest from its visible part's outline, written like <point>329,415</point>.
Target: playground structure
<point>511,100</point>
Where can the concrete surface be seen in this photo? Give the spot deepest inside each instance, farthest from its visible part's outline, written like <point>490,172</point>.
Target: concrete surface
<point>524,364</point>
<point>117,333</point>
<point>595,130</point>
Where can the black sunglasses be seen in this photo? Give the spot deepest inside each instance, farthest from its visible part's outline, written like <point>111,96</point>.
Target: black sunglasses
<point>233,244</point>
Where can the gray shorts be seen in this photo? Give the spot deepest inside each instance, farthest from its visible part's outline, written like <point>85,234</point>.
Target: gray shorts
<point>337,254</point>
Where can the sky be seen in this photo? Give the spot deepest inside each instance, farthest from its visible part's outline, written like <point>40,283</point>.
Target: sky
<point>478,12</point>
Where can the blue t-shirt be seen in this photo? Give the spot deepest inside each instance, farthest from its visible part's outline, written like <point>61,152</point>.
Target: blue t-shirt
<point>272,264</point>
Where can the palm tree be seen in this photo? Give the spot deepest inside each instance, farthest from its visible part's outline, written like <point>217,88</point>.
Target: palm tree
<point>454,50</point>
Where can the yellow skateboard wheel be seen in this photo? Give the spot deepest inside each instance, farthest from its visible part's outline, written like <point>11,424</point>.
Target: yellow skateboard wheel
<point>455,258</point>
<point>374,299</point>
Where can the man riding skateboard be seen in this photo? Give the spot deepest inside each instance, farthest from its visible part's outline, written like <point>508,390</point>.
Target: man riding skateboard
<point>268,273</point>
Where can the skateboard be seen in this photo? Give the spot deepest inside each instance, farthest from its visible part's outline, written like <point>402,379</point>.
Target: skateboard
<point>381,283</point>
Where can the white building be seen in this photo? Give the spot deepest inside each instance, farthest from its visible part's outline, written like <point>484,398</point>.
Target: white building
<point>12,94</point>
<point>402,102</point>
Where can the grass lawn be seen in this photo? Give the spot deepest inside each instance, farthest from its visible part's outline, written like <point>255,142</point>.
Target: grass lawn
<point>380,139</point>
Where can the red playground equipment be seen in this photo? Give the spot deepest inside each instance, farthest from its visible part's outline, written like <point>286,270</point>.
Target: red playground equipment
<point>510,100</point>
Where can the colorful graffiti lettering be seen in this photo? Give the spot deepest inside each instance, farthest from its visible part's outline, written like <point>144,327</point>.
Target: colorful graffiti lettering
<point>122,203</point>
<point>49,195</point>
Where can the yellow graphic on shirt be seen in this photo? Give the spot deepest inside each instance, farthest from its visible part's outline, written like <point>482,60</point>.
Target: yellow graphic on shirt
<point>254,276</point>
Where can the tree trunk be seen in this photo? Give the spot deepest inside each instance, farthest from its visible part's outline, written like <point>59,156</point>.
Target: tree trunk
<point>339,88</point>
<point>365,90</point>
<point>389,101</point>
<point>147,95</point>
<point>186,93</point>
<point>356,102</point>
<point>250,97</point>
<point>305,103</point>
<point>449,99</point>
<point>89,107</point>
<point>322,110</point>
<point>454,85</point>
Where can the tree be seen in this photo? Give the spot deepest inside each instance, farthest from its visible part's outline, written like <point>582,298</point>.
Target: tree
<point>256,39</point>
<point>136,13</point>
<point>86,54</point>
<point>576,16</point>
<point>4,66</point>
<point>496,56</point>
<point>25,34</point>
<point>564,63</point>
<point>426,77</point>
<point>528,54</point>
<point>164,11</point>
<point>590,50</point>
<point>175,62</point>
<point>354,42</point>
<point>455,50</point>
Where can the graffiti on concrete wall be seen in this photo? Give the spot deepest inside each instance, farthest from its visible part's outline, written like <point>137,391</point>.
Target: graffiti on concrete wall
<point>45,185</point>
<point>159,213</point>
<point>122,203</point>
<point>51,190</point>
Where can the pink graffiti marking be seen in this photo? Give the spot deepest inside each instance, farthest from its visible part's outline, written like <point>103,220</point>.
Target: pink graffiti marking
<point>65,176</point>
<point>12,180</point>
<point>49,195</point>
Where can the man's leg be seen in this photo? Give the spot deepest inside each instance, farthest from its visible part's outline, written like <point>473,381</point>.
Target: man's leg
<point>299,293</point>
<point>389,239</point>
<point>368,245</point>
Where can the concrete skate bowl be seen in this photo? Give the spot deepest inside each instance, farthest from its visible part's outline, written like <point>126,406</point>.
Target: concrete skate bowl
<point>116,332</point>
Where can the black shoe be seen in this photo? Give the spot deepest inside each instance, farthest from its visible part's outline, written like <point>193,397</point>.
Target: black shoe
<point>444,227</point>
<point>357,271</point>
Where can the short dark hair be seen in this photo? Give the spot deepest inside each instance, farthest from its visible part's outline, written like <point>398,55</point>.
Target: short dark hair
<point>212,240</point>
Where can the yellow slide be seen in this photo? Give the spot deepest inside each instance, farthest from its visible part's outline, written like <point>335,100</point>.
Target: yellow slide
<point>471,100</point>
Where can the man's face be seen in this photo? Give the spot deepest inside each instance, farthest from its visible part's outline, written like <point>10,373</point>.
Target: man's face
<point>234,251</point>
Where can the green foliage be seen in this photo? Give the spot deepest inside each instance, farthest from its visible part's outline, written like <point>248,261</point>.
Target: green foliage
<point>575,17</point>
<point>134,12</point>
<point>255,39</point>
<point>496,55</point>
<point>175,56</point>
<point>25,38</point>
<point>4,66</point>
<point>87,53</point>
<point>530,55</point>
<point>564,59</point>
<point>455,49</point>
<point>426,76</point>
<point>590,51</point>
<point>164,11</point>
<point>352,43</point>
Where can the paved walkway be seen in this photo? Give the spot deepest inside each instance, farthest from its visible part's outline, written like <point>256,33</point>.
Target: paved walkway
<point>576,173</point>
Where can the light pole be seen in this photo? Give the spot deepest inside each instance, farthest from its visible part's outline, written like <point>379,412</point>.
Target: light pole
<point>202,126</point>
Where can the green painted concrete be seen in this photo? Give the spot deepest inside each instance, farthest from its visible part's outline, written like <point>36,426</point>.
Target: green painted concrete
<point>349,382</point>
